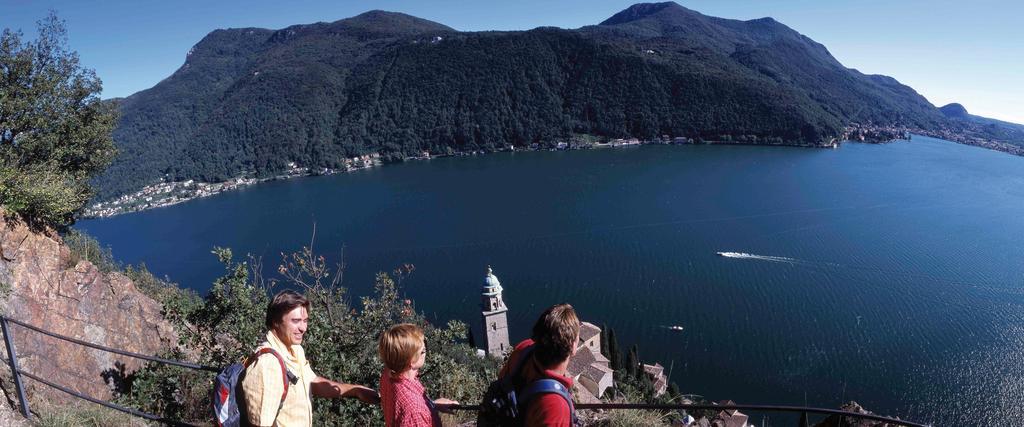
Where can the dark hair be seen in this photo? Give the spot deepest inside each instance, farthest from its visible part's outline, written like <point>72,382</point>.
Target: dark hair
<point>282,303</point>
<point>555,334</point>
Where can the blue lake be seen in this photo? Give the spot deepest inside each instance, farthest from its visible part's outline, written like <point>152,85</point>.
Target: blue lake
<point>891,274</point>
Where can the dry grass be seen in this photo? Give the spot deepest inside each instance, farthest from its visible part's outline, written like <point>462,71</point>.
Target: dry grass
<point>84,414</point>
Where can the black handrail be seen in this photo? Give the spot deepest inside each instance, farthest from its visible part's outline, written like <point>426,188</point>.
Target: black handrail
<point>114,350</point>
<point>125,409</point>
<point>17,372</point>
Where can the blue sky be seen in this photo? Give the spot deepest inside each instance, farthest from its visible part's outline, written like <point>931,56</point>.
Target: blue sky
<point>949,51</point>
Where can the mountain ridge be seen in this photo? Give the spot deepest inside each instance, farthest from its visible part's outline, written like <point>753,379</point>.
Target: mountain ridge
<point>999,128</point>
<point>249,102</point>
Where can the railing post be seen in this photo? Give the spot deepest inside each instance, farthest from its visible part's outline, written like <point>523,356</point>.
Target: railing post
<point>12,361</point>
<point>803,420</point>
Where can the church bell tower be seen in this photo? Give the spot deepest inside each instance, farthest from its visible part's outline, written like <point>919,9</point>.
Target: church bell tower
<point>494,314</point>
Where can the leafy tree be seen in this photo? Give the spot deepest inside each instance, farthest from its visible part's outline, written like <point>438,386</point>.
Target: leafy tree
<point>646,384</point>
<point>614,353</point>
<point>54,130</point>
<point>632,363</point>
<point>673,391</point>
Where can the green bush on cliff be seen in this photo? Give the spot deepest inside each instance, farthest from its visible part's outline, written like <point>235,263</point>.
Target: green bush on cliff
<point>341,343</point>
<point>55,133</point>
<point>83,247</point>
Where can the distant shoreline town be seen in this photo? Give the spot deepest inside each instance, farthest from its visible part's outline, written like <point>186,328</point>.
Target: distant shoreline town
<point>170,193</point>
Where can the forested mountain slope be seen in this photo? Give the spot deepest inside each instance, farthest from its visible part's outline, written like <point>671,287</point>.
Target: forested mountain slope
<point>249,101</point>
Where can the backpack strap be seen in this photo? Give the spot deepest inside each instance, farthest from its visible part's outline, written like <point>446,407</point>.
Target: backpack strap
<point>546,386</point>
<point>510,380</point>
<point>286,375</point>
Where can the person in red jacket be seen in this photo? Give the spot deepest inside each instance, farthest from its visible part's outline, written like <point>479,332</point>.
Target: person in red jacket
<point>553,341</point>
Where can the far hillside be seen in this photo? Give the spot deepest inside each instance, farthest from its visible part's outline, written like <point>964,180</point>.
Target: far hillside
<point>996,129</point>
<point>251,102</point>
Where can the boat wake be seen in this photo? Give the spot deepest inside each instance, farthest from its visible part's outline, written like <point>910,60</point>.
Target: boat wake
<point>743,255</point>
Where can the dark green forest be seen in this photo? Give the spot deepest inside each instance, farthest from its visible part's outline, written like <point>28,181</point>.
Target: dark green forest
<point>249,101</point>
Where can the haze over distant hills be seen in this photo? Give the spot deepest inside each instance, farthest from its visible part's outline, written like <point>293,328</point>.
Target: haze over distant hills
<point>995,129</point>
<point>249,101</point>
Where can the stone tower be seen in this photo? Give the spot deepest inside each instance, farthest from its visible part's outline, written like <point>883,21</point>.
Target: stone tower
<point>494,314</point>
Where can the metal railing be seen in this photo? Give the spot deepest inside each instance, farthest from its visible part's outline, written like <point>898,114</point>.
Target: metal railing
<point>17,373</point>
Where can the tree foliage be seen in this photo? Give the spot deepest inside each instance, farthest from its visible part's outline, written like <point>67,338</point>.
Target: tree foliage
<point>55,133</point>
<point>83,247</point>
<point>633,369</point>
<point>614,352</point>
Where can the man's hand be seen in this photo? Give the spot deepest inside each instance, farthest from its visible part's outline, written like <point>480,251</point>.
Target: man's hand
<point>445,405</point>
<point>323,387</point>
<point>365,394</point>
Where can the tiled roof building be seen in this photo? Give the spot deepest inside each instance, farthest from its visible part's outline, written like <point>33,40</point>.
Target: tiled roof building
<point>588,366</point>
<point>657,374</point>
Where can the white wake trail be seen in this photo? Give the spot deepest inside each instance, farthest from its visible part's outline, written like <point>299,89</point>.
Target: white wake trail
<point>743,255</point>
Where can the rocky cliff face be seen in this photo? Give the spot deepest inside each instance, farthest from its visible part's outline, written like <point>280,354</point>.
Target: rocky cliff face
<point>47,290</point>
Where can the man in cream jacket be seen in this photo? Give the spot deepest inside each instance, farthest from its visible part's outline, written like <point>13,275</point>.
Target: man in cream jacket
<point>263,385</point>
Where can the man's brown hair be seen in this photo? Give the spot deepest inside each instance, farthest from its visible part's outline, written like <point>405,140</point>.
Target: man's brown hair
<point>399,346</point>
<point>282,303</point>
<point>555,334</point>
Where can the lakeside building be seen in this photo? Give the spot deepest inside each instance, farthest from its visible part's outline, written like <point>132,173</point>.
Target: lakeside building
<point>494,314</point>
<point>730,417</point>
<point>588,367</point>
<point>656,373</point>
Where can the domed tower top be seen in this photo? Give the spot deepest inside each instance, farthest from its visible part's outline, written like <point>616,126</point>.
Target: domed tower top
<point>492,286</point>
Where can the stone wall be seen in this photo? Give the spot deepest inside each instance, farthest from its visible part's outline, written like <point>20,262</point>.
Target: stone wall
<point>78,301</point>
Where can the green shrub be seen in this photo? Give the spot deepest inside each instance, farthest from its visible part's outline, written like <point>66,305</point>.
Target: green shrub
<point>84,247</point>
<point>172,298</point>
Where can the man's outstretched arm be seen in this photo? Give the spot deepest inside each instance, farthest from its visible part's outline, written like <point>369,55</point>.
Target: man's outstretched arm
<point>323,387</point>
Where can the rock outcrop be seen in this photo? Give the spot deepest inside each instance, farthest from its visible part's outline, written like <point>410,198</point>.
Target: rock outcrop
<point>48,290</point>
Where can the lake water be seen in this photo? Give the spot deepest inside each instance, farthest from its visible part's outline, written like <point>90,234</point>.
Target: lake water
<point>892,274</point>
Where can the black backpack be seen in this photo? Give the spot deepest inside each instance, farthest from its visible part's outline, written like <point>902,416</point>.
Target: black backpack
<point>505,406</point>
